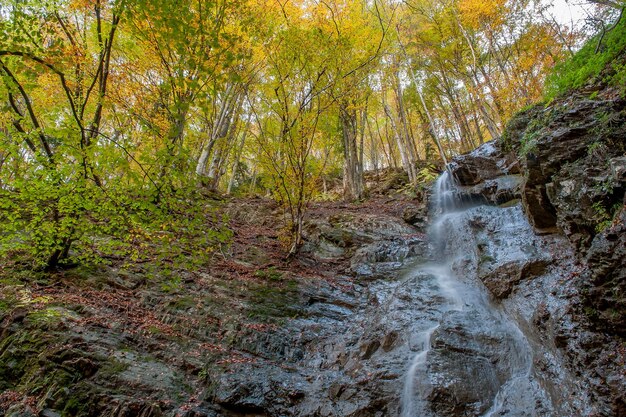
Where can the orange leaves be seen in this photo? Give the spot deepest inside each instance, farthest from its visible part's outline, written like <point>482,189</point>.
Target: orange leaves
<point>476,13</point>
<point>82,5</point>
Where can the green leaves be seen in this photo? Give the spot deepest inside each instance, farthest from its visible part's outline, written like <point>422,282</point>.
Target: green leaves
<point>597,58</point>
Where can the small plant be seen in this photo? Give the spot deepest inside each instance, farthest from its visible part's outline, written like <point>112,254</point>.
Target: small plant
<point>604,218</point>
<point>596,149</point>
<point>529,143</point>
<point>172,284</point>
<point>426,175</point>
<point>606,186</point>
<point>270,274</point>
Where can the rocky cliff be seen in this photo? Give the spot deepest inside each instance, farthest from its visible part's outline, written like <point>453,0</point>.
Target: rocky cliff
<point>566,163</point>
<point>366,321</point>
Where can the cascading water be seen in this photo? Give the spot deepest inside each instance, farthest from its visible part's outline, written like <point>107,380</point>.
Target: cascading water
<point>444,194</point>
<point>494,359</point>
<point>416,364</point>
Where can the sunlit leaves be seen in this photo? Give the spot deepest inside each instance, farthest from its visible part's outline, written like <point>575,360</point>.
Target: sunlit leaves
<point>477,13</point>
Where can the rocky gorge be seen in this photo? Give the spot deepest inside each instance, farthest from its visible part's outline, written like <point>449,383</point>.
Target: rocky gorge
<point>512,302</point>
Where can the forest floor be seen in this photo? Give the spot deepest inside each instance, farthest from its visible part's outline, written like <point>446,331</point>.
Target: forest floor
<point>136,331</point>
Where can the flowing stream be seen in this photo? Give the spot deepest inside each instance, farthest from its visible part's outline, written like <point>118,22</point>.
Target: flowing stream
<point>471,359</point>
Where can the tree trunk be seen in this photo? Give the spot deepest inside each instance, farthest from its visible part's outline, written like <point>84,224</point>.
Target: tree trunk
<point>431,121</point>
<point>401,146</point>
<point>406,139</point>
<point>219,130</point>
<point>353,166</point>
<point>238,153</point>
<point>373,147</point>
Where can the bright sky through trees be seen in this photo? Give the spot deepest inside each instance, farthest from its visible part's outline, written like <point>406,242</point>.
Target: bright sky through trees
<point>250,96</point>
<point>568,11</point>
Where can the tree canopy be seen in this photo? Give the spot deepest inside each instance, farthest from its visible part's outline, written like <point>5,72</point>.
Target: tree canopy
<point>117,117</point>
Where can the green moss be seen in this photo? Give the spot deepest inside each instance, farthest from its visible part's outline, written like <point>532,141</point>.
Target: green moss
<point>182,303</point>
<point>29,363</point>
<point>112,367</point>
<point>589,66</point>
<point>50,315</point>
<point>486,259</point>
<point>511,203</point>
<point>270,274</point>
<point>74,406</point>
<point>273,303</point>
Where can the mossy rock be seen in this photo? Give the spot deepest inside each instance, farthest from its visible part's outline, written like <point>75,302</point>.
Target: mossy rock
<point>272,303</point>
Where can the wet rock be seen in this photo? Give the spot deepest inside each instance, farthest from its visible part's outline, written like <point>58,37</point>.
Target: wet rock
<point>369,348</point>
<point>618,168</point>
<point>502,279</point>
<point>573,169</point>
<point>260,390</point>
<point>389,341</point>
<point>49,413</point>
<point>563,178</point>
<point>416,216</point>
<point>383,258</point>
<point>470,346</point>
<point>607,260</point>
<point>496,191</point>
<point>487,162</point>
<point>340,235</point>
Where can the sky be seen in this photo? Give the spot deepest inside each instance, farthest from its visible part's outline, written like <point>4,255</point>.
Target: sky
<point>568,11</point>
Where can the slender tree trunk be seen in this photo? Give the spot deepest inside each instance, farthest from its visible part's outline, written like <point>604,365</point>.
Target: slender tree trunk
<point>431,121</point>
<point>219,130</point>
<point>353,166</point>
<point>384,146</point>
<point>406,163</point>
<point>238,153</point>
<point>407,139</point>
<point>222,147</point>
<point>373,147</point>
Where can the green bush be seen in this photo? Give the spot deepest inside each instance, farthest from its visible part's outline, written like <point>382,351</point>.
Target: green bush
<point>56,218</point>
<point>590,67</point>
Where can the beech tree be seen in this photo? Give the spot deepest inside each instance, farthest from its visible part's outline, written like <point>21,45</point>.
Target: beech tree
<point>287,116</point>
<point>55,73</point>
<point>115,113</point>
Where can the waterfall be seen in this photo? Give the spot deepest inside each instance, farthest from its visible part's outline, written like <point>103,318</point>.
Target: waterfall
<point>466,310</point>
<point>418,361</point>
<point>444,194</point>
<point>443,203</point>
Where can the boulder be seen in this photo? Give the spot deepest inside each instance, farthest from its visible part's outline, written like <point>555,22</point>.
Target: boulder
<point>486,162</point>
<point>501,280</point>
<point>496,191</point>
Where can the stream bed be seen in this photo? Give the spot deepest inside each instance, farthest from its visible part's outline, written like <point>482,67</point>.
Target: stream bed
<point>445,325</point>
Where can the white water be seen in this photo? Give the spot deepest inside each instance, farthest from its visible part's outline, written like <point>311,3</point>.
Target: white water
<point>419,360</point>
<point>444,195</point>
<point>446,234</point>
<point>444,201</point>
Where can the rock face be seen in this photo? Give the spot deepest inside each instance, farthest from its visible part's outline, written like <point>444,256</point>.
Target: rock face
<point>606,259</point>
<point>533,324</point>
<point>570,156</point>
<point>517,323</point>
<point>513,307</point>
<point>485,163</point>
<point>572,170</point>
<point>488,175</point>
